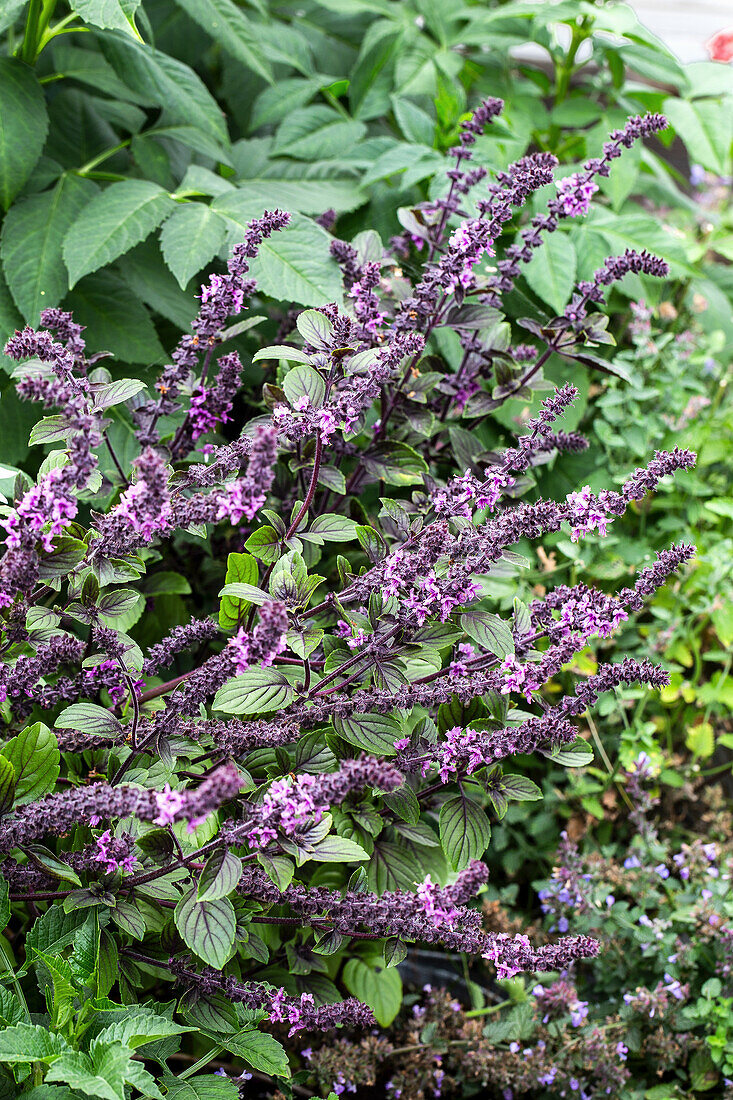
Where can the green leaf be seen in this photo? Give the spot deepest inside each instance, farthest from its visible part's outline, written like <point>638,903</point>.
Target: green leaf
<point>116,392</point>
<point>222,871</point>
<point>264,543</point>
<point>491,633</point>
<point>316,133</point>
<point>30,1043</point>
<point>520,789</point>
<point>53,930</point>
<point>115,319</point>
<point>282,351</point>
<point>576,755</point>
<point>52,865</point>
<point>207,927</point>
<point>464,831</point>
<point>705,127</point>
<point>7,785</point>
<point>334,528</point>
<point>89,718</point>
<point>162,81</point>
<point>112,223</point>
<point>108,14</point>
<point>551,271</point>
<point>100,1073</point>
<point>380,989</point>
<point>23,126</point>
<point>228,25</point>
<point>140,1027</point>
<point>315,328</point>
<point>32,237</point>
<point>190,238</point>
<point>376,733</point>
<point>203,1087</point>
<point>241,569</point>
<point>337,849</point>
<point>67,552</point>
<point>256,691</point>
<point>258,1049</point>
<point>34,754</point>
<point>392,868</point>
<point>395,463</point>
<point>304,381</point>
<point>294,264</point>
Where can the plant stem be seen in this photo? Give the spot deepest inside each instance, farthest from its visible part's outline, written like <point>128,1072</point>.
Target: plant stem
<point>30,37</point>
<point>100,157</point>
<point>213,1053</point>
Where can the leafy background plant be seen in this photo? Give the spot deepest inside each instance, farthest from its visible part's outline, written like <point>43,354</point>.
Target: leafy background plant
<point>138,140</point>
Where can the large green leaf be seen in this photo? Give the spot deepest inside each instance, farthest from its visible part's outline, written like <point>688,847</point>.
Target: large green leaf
<point>34,754</point>
<point>89,718</point>
<point>23,126</point>
<point>166,83</point>
<point>374,732</point>
<point>316,133</point>
<point>243,569</point>
<point>32,236</point>
<point>490,632</point>
<point>98,1073</point>
<point>294,264</point>
<point>260,1050</point>
<point>464,831</point>
<point>113,223</point>
<point>706,127</point>
<point>551,271</point>
<point>139,1027</point>
<point>256,691</point>
<point>190,238</point>
<point>229,26</point>
<point>380,989</point>
<point>108,14</point>
<point>115,319</point>
<point>30,1043</point>
<point>207,1086</point>
<point>207,927</point>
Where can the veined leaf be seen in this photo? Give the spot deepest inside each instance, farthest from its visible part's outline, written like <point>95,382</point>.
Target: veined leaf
<point>207,927</point>
<point>32,238</point>
<point>112,223</point>
<point>23,126</point>
<point>190,238</point>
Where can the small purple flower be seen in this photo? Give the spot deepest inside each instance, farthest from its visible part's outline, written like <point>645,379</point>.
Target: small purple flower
<point>575,194</point>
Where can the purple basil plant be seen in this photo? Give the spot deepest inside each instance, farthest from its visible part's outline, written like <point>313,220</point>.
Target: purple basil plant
<point>269,807</point>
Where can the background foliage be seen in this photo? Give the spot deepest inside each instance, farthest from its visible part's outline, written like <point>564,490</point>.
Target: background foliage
<point>137,140</point>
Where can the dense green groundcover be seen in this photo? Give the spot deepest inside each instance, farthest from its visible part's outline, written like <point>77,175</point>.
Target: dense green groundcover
<point>137,141</point>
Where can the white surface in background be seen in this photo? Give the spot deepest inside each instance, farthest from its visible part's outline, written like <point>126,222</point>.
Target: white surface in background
<point>685,25</point>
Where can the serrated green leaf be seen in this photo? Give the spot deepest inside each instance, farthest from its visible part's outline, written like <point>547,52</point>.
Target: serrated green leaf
<point>190,238</point>
<point>89,718</point>
<point>229,26</point>
<point>23,126</point>
<point>32,238</point>
<point>112,223</point>
<point>295,264</point>
<point>491,633</point>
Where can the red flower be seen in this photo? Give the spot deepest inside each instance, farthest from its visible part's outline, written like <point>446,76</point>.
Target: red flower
<point>720,46</point>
